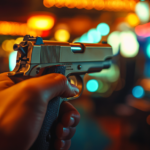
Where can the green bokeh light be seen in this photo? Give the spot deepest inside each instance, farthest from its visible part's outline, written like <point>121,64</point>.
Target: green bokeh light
<point>142,10</point>
<point>94,36</point>
<point>12,60</point>
<point>111,74</point>
<point>92,85</point>
<point>103,28</point>
<point>148,50</point>
<point>114,41</point>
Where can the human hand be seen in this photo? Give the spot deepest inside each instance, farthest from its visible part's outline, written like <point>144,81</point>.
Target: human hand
<point>23,107</point>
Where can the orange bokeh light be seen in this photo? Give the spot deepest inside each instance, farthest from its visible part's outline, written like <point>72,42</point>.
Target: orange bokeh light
<point>41,22</point>
<point>17,29</point>
<point>132,19</point>
<point>115,5</point>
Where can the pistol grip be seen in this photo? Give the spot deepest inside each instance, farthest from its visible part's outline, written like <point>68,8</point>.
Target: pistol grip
<point>46,137</point>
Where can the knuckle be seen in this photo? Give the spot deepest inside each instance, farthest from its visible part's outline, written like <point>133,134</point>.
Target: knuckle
<point>63,79</point>
<point>31,89</point>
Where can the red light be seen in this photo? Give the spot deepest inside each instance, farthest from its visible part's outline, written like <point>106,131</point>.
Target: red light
<point>143,30</point>
<point>45,33</point>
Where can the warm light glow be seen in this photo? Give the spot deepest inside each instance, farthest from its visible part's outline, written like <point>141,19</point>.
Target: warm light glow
<point>142,10</point>
<point>132,19</point>
<point>145,83</point>
<point>148,119</point>
<point>62,35</point>
<point>7,45</point>
<point>129,44</point>
<point>114,41</point>
<point>99,5</point>
<point>49,3</point>
<point>19,40</point>
<point>40,22</point>
<point>111,5</point>
<point>17,29</point>
<point>143,30</point>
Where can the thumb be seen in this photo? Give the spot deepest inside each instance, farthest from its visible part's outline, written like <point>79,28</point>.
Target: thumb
<point>52,85</point>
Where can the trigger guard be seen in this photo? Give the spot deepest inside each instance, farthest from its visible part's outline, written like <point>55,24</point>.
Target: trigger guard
<point>80,87</point>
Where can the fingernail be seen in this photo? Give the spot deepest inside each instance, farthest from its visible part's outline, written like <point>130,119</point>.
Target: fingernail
<point>65,132</point>
<point>62,143</point>
<point>72,121</point>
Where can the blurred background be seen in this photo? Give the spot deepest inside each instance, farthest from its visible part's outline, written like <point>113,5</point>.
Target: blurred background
<point>115,104</point>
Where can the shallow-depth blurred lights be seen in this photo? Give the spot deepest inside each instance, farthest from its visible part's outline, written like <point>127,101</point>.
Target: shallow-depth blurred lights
<point>148,50</point>
<point>115,5</point>
<point>138,92</point>
<point>19,40</point>
<point>111,74</point>
<point>7,45</point>
<point>41,22</point>
<point>12,60</point>
<point>129,44</point>
<point>148,119</point>
<point>62,35</point>
<point>103,28</point>
<point>84,39</point>
<point>132,19</point>
<point>114,41</point>
<point>143,30</point>
<point>92,85</point>
<point>142,10</point>
<point>94,36</point>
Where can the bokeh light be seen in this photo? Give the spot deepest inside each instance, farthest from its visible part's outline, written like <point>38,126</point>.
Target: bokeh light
<point>138,92</point>
<point>103,28</point>
<point>97,4</point>
<point>103,86</point>
<point>111,74</point>
<point>132,19</point>
<point>94,36</point>
<point>129,44</point>
<point>7,45</point>
<point>92,85</point>
<point>12,60</point>
<point>148,50</point>
<point>62,35</point>
<point>19,40</point>
<point>148,119</point>
<point>41,22</point>
<point>114,40</point>
<point>84,39</point>
<point>142,10</point>
<point>143,30</point>
<point>48,3</point>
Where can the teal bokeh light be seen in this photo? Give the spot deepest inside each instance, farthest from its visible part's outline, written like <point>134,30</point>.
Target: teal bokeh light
<point>148,50</point>
<point>92,85</point>
<point>12,60</point>
<point>103,28</point>
<point>94,36</point>
<point>138,92</point>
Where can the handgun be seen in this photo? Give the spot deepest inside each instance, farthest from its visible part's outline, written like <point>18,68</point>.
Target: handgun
<point>37,57</point>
